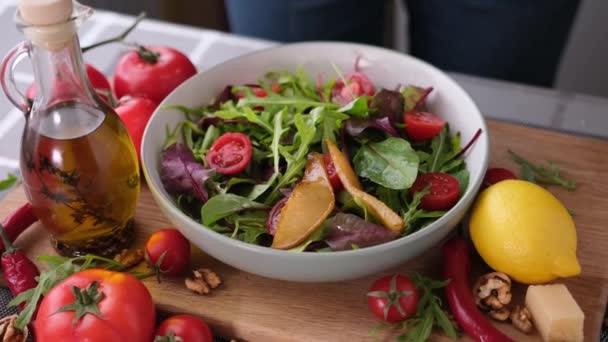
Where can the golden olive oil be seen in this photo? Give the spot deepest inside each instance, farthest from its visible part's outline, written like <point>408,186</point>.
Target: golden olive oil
<point>81,175</point>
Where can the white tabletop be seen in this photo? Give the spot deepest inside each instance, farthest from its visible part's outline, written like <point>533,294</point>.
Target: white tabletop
<point>531,106</point>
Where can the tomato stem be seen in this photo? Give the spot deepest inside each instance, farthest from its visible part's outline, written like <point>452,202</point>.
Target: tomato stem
<point>148,55</point>
<point>87,301</point>
<point>120,38</point>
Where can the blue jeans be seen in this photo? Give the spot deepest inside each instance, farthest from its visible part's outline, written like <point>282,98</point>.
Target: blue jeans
<point>515,40</point>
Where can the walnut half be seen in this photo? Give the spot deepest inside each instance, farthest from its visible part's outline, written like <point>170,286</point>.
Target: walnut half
<point>522,319</point>
<point>129,258</point>
<point>492,293</point>
<point>202,281</point>
<point>8,332</point>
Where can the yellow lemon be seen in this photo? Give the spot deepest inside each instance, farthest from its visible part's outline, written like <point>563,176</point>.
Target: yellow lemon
<point>521,229</point>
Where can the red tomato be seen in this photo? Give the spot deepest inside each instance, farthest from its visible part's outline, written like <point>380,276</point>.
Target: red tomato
<point>186,327</point>
<point>274,215</point>
<point>135,113</point>
<point>495,175</point>
<point>125,309</point>
<point>334,179</point>
<point>422,125</point>
<point>357,85</point>
<point>393,298</point>
<point>443,193</point>
<point>168,251</point>
<point>96,78</point>
<point>142,73</point>
<point>257,91</point>
<point>230,153</point>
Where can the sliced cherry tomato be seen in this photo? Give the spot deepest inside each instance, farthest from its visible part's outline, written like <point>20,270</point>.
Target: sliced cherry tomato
<point>168,251</point>
<point>422,125</point>
<point>274,215</point>
<point>183,328</point>
<point>495,175</point>
<point>152,72</point>
<point>443,192</point>
<point>230,153</point>
<point>334,179</point>
<point>393,298</point>
<point>357,84</point>
<point>135,113</point>
<point>99,82</point>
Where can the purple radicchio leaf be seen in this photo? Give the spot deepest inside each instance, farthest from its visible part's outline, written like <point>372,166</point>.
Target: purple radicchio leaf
<point>356,126</point>
<point>225,96</point>
<point>346,230</point>
<point>181,174</point>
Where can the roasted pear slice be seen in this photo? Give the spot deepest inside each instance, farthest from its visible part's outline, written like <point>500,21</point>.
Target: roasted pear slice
<point>374,206</point>
<point>307,207</point>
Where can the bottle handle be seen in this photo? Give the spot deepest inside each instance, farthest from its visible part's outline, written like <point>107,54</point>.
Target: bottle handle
<point>7,75</point>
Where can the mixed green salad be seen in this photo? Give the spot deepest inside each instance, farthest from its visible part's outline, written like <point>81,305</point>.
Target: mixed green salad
<point>299,165</point>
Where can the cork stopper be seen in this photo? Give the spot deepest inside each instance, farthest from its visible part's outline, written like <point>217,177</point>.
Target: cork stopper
<point>45,12</point>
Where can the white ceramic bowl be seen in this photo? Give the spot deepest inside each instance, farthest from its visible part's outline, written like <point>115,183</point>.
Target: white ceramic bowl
<point>385,68</point>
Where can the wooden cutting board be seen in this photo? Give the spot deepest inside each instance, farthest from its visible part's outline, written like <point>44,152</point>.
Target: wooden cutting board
<point>258,309</point>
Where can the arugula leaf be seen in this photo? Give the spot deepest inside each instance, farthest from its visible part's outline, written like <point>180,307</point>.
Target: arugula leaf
<point>276,139</point>
<point>306,132</point>
<point>296,84</point>
<point>211,135</point>
<point>541,174</point>
<point>300,103</point>
<point>463,180</point>
<point>391,163</point>
<point>414,214</point>
<point>8,182</point>
<point>439,146</point>
<point>222,205</point>
<point>357,107</point>
<point>390,197</point>
<point>259,189</point>
<point>292,172</point>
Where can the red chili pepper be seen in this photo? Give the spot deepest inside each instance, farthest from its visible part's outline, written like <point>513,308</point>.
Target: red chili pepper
<point>19,271</point>
<point>17,222</point>
<point>457,265</point>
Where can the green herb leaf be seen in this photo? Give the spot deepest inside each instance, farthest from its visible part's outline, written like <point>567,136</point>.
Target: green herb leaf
<point>541,174</point>
<point>442,320</point>
<point>259,189</point>
<point>414,96</point>
<point>357,107</point>
<point>440,149</point>
<point>463,180</point>
<point>391,163</point>
<point>276,139</point>
<point>220,206</point>
<point>8,182</point>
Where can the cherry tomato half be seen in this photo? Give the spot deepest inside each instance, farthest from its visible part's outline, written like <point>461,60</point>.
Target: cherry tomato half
<point>334,179</point>
<point>135,113</point>
<point>495,175</point>
<point>443,193</point>
<point>274,215</point>
<point>174,249</point>
<point>187,328</point>
<point>391,293</point>
<point>230,153</point>
<point>422,125</point>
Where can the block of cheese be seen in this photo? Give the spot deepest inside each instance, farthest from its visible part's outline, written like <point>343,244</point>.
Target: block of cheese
<point>555,313</point>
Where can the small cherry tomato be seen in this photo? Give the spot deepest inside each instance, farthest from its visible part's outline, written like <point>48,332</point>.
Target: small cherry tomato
<point>185,327</point>
<point>152,72</point>
<point>168,251</point>
<point>274,215</point>
<point>357,84</point>
<point>495,175</point>
<point>393,298</point>
<point>97,79</point>
<point>256,90</point>
<point>422,125</point>
<point>230,153</point>
<point>443,193</point>
<point>334,179</point>
<point>135,113</point>
<point>97,305</point>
